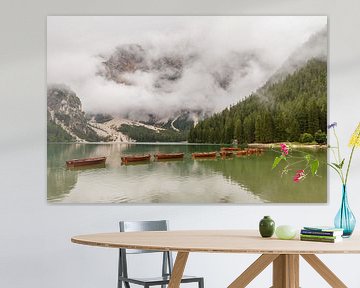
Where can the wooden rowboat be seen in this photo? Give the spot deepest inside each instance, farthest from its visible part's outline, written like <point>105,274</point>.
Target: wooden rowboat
<point>85,162</point>
<point>254,151</point>
<point>204,155</point>
<point>241,153</point>
<point>226,153</point>
<point>163,156</point>
<point>135,158</point>
<point>230,149</point>
<point>250,151</point>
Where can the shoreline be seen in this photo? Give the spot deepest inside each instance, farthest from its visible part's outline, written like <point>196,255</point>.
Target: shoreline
<point>250,145</point>
<point>290,144</point>
<point>139,143</point>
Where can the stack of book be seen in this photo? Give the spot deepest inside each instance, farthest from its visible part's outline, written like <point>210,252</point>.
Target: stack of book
<point>321,234</point>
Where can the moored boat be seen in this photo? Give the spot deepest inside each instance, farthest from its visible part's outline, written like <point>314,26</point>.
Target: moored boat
<point>230,149</point>
<point>241,153</point>
<point>226,153</point>
<point>135,158</point>
<point>165,156</point>
<point>204,155</point>
<point>85,162</point>
<point>252,151</point>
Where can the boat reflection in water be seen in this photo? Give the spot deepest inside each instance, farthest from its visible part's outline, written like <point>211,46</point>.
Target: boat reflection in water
<point>87,167</point>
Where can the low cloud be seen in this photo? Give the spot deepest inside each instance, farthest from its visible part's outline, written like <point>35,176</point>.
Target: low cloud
<point>224,59</point>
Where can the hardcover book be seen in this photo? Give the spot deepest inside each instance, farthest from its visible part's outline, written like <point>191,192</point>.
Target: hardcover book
<point>324,239</point>
<point>321,233</point>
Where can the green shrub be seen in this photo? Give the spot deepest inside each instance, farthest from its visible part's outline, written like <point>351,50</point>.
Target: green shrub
<point>306,138</point>
<point>320,137</point>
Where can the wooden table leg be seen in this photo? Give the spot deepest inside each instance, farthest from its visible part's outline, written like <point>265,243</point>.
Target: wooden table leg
<point>286,271</point>
<point>324,271</point>
<point>293,264</point>
<point>178,270</point>
<point>253,270</point>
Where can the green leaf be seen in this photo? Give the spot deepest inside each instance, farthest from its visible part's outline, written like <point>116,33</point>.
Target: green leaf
<point>308,158</point>
<point>314,167</point>
<point>276,162</point>
<point>336,165</point>
<point>342,164</point>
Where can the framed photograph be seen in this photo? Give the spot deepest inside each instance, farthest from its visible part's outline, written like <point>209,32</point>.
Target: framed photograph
<point>186,109</point>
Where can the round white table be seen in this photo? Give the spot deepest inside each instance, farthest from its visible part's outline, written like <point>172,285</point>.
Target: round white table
<point>284,254</point>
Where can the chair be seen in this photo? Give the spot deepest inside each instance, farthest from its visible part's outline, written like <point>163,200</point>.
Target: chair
<point>167,262</point>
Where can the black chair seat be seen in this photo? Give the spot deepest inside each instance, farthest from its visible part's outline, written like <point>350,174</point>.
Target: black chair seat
<point>158,280</point>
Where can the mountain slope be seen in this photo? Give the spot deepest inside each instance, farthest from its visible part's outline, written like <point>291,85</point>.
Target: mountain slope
<point>314,48</point>
<point>66,120</point>
<point>278,112</point>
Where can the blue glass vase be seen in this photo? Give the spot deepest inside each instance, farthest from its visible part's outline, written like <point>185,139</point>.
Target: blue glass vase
<point>345,219</point>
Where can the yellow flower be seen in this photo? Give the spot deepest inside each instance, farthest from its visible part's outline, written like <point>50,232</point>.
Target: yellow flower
<point>355,138</point>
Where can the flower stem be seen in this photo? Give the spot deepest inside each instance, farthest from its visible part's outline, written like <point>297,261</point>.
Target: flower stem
<point>351,156</point>
<point>348,167</point>
<point>337,171</point>
<point>339,159</point>
<point>338,145</point>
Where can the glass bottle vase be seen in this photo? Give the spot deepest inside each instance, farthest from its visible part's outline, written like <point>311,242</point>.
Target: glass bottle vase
<point>345,219</point>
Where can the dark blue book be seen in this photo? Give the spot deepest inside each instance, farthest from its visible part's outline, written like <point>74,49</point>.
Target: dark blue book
<point>322,231</point>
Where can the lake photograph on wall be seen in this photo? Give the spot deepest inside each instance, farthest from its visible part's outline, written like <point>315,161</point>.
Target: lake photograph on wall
<point>187,109</point>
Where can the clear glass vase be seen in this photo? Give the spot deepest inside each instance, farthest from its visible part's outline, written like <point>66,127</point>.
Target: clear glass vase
<point>345,219</point>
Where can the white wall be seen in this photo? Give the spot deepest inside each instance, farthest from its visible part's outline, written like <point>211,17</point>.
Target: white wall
<point>35,248</point>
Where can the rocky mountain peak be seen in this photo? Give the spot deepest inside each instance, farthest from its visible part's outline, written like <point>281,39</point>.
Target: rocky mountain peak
<point>127,58</point>
<point>62,99</point>
<point>65,111</point>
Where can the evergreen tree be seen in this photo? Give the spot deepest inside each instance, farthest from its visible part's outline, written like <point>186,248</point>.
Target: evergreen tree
<point>281,111</point>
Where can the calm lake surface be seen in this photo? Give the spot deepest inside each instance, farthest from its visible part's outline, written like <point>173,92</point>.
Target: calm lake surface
<point>241,180</point>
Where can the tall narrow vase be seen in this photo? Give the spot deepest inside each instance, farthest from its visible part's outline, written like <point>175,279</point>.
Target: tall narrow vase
<point>345,219</point>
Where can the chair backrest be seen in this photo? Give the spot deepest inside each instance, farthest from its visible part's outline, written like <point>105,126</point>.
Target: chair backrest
<point>135,226</point>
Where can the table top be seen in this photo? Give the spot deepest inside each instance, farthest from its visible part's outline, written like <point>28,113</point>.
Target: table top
<point>216,241</point>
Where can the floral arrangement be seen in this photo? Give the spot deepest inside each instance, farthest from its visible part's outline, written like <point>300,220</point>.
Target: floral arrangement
<point>339,163</point>
<point>311,164</point>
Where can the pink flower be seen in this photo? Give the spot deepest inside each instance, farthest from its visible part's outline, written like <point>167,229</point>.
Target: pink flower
<point>300,174</point>
<point>284,149</point>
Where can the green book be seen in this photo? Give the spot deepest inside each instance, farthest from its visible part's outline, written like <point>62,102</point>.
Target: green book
<point>319,236</point>
<point>325,240</point>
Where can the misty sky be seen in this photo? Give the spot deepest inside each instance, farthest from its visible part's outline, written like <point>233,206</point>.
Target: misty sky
<point>251,47</point>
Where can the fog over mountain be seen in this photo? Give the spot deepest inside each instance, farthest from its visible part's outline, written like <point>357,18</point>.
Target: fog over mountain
<point>133,67</point>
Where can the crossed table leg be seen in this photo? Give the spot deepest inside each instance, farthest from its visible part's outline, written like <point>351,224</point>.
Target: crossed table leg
<point>285,270</point>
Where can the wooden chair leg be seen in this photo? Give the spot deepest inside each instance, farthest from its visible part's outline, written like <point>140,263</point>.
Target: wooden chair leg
<point>324,271</point>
